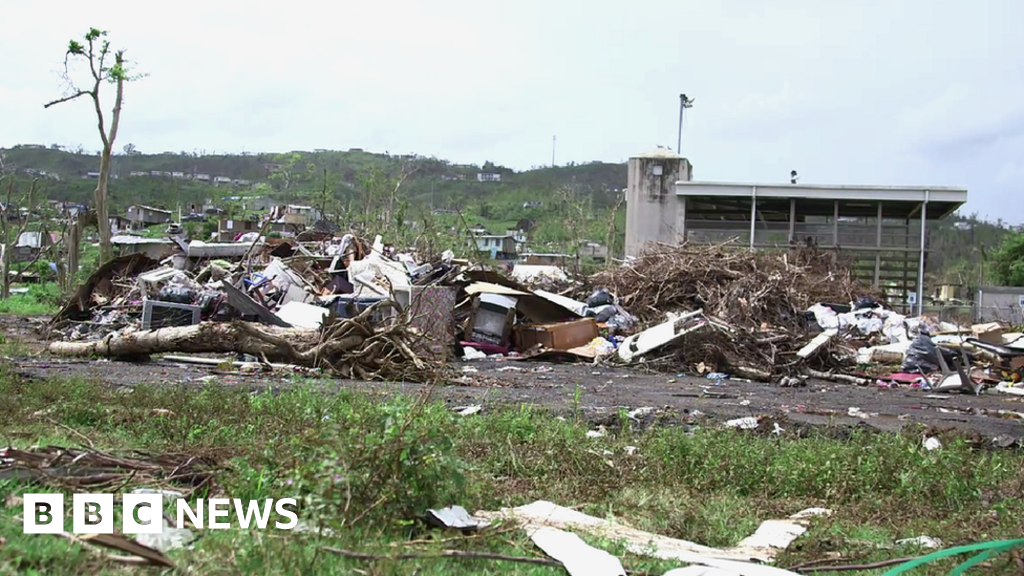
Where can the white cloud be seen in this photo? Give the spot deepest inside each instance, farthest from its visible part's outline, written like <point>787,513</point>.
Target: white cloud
<point>911,92</point>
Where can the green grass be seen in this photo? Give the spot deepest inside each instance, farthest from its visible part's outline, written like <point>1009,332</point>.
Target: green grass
<point>41,300</point>
<point>366,465</point>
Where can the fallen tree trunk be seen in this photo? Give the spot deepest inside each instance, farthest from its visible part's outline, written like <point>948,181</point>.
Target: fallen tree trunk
<point>198,338</point>
<point>344,346</point>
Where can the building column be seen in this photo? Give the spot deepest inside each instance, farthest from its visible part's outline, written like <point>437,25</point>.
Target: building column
<point>920,265</point>
<point>681,220</point>
<point>878,247</point>
<point>835,225</point>
<point>753,215</point>
<point>792,219</point>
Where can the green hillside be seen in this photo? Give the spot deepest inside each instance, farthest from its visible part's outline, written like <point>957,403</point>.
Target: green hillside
<point>301,174</point>
<point>350,186</point>
<point>575,200</point>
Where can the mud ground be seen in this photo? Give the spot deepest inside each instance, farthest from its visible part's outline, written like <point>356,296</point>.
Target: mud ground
<point>598,393</point>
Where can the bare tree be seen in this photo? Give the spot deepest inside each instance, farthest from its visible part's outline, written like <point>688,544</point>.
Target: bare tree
<point>11,235</point>
<point>97,53</point>
<point>611,233</point>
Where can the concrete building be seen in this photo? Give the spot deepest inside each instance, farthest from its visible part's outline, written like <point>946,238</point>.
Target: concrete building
<point>146,215</point>
<point>228,229</point>
<point>1000,304</point>
<point>300,215</point>
<point>156,248</point>
<point>885,228</point>
<point>499,247</point>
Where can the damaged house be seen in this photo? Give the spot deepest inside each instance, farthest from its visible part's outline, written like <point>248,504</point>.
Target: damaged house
<point>140,216</point>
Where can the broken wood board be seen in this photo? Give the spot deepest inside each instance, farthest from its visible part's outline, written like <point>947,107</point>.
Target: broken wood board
<point>817,343</point>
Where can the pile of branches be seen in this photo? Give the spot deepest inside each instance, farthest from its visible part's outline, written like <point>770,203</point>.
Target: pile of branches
<point>743,288</point>
<point>349,347</point>
<point>355,348</point>
<point>80,470</point>
<point>762,296</point>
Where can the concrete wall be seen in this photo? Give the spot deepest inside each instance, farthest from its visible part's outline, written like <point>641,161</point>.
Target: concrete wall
<point>1000,304</point>
<point>653,213</point>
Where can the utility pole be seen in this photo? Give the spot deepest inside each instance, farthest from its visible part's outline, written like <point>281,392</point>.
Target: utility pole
<point>553,138</point>
<point>684,103</point>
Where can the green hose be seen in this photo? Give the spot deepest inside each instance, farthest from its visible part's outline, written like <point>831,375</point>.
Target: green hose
<point>986,550</point>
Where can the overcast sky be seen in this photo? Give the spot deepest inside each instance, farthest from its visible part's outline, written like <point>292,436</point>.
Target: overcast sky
<point>916,92</point>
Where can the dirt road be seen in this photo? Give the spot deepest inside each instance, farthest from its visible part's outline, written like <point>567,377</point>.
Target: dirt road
<point>599,393</point>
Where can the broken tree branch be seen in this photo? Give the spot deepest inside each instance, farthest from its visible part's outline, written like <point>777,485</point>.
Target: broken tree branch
<point>464,554</point>
<point>67,98</point>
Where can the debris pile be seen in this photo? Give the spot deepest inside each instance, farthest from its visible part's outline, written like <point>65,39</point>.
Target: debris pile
<point>366,310</point>
<point>339,304</point>
<point>754,304</point>
<point>747,289</point>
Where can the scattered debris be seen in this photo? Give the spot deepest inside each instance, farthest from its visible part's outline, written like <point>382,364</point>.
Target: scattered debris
<point>455,517</point>
<point>747,423</point>
<point>578,557</point>
<point>468,410</point>
<point>770,538</point>
<point>355,308</point>
<point>922,541</point>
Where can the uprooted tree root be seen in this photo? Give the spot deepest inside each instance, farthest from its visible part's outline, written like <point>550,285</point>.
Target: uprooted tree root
<point>349,347</point>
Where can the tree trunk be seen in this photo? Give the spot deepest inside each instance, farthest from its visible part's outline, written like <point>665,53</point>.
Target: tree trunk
<point>73,243</point>
<point>102,212</point>
<point>206,337</point>
<point>5,264</point>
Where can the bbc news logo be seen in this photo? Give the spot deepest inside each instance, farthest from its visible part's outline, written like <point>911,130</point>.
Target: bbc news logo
<point>144,513</point>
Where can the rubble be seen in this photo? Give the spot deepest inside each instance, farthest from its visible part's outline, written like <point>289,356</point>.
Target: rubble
<point>341,304</point>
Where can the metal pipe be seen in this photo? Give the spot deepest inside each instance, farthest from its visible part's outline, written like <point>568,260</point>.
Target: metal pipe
<point>679,141</point>
<point>920,264</point>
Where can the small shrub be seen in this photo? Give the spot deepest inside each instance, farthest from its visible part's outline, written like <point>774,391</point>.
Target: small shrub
<point>379,463</point>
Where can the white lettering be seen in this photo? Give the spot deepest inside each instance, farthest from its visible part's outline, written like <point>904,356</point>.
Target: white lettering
<point>43,513</point>
<point>218,509</point>
<point>253,510</point>
<point>196,517</point>
<point>92,513</point>
<point>143,513</point>
<point>282,511</point>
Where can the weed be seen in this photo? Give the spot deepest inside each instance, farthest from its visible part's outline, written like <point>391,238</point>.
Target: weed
<point>40,300</point>
<point>368,467</point>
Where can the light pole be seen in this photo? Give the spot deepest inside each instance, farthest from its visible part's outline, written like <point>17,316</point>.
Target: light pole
<point>684,103</point>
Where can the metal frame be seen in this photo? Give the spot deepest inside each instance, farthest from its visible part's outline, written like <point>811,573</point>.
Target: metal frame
<point>885,227</point>
<point>148,305</point>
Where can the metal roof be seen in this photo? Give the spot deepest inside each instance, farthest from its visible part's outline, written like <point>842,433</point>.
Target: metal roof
<point>132,240</point>
<point>942,200</point>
